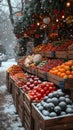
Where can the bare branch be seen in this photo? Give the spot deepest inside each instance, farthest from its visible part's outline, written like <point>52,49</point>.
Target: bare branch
<point>11,11</point>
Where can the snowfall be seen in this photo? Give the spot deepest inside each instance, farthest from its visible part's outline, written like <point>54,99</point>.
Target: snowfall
<point>9,119</point>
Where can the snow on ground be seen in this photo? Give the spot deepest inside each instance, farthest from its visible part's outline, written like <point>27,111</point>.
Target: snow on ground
<point>5,65</point>
<point>9,119</point>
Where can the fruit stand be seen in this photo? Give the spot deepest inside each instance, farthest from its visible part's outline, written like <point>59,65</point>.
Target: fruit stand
<point>42,92</point>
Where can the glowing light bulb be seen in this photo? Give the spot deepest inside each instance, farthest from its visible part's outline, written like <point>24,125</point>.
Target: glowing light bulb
<point>68,4</point>
<point>57,20</point>
<point>38,24</point>
<point>63,16</point>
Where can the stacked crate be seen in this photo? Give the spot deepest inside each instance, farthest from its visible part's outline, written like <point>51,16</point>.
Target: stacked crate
<point>28,120</point>
<point>56,123</point>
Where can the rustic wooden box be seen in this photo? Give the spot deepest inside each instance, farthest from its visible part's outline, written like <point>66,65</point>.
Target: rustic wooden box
<point>42,74</point>
<point>61,54</point>
<point>62,83</point>
<point>19,94</point>
<point>28,101</point>
<point>42,53</point>
<point>7,79</point>
<point>11,83</point>
<point>70,54</point>
<point>28,120</point>
<point>34,71</point>
<point>50,54</point>
<point>56,123</point>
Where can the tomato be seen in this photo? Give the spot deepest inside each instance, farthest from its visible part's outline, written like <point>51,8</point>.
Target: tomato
<point>47,92</point>
<point>45,88</point>
<point>44,95</point>
<point>39,89</point>
<point>42,91</point>
<point>42,85</point>
<point>54,88</point>
<point>39,95</point>
<point>32,93</point>
<point>50,88</point>
<point>36,99</point>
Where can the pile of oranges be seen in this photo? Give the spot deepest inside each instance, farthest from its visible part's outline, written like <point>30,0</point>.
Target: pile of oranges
<point>64,70</point>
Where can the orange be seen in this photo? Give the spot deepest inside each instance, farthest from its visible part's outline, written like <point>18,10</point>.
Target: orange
<point>62,74</point>
<point>68,72</point>
<point>55,71</point>
<point>58,73</point>
<point>72,72</point>
<point>65,76</point>
<point>70,76</point>
<point>67,67</point>
<point>62,70</point>
<point>69,63</point>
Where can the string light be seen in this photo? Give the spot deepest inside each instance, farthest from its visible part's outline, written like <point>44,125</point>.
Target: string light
<point>44,26</point>
<point>38,24</point>
<point>57,20</point>
<point>68,4</point>
<point>63,16</point>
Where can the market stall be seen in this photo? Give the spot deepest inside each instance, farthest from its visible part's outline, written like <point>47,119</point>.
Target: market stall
<point>42,83</point>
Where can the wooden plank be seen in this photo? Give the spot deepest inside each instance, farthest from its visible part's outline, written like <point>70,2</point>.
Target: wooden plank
<point>28,101</point>
<point>68,83</point>
<point>61,54</point>
<point>7,80</point>
<point>56,80</point>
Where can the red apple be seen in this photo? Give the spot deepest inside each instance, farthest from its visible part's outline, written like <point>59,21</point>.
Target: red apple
<point>31,80</point>
<point>28,83</point>
<point>35,83</point>
<point>31,86</point>
<point>36,78</point>
<point>32,76</point>
<point>39,81</point>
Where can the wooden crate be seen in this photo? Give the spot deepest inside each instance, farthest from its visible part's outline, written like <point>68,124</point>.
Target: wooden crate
<point>7,79</point>
<point>16,102</point>
<point>19,96</point>
<point>42,53</point>
<point>28,120</point>
<point>11,83</point>
<point>56,80</point>
<point>70,54</point>
<point>13,92</point>
<point>42,74</point>
<point>61,54</point>
<point>56,123</point>
<point>34,71</point>
<point>62,83</point>
<point>50,54</point>
<point>28,101</point>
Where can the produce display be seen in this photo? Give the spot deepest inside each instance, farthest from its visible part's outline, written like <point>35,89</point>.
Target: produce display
<point>54,46</point>
<point>65,70</point>
<point>62,45</point>
<point>32,81</point>
<point>14,69</point>
<point>39,48</point>
<point>55,104</point>
<point>19,76</point>
<point>32,59</point>
<point>47,65</point>
<point>42,90</point>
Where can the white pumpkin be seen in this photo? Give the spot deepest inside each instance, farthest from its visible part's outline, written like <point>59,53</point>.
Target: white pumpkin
<point>37,58</point>
<point>28,61</point>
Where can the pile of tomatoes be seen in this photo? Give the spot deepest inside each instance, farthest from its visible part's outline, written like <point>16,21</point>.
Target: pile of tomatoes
<point>42,90</point>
